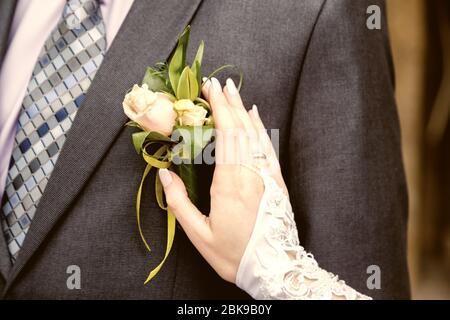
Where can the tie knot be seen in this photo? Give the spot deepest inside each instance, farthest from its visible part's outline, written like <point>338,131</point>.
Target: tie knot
<point>76,11</point>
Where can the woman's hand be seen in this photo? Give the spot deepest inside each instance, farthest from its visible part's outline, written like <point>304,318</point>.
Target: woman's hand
<point>236,191</point>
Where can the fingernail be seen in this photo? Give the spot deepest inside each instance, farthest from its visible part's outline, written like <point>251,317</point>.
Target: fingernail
<point>206,84</point>
<point>204,79</point>
<point>165,177</point>
<point>255,110</point>
<point>216,84</point>
<point>231,87</point>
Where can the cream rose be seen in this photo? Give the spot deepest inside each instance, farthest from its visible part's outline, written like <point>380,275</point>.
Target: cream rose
<point>151,110</point>
<point>190,114</point>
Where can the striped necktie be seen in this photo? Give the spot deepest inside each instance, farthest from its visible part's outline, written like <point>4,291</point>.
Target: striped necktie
<point>61,77</point>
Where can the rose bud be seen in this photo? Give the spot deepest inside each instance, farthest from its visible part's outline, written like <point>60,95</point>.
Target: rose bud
<point>153,111</point>
<point>190,114</point>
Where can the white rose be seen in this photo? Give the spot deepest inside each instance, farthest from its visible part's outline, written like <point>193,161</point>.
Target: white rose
<point>152,111</point>
<point>190,114</point>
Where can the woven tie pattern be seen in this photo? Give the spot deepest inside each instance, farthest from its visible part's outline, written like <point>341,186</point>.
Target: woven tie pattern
<point>62,75</point>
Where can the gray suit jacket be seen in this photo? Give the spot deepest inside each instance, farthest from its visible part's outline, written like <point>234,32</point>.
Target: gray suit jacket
<point>315,71</point>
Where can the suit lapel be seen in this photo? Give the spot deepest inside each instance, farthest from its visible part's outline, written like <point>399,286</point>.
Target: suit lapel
<point>148,35</point>
<point>7,8</point>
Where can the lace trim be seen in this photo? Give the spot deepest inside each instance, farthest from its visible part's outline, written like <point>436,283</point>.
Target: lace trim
<point>276,266</point>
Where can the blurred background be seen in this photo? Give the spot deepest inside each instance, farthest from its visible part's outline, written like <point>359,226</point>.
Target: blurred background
<point>420,40</point>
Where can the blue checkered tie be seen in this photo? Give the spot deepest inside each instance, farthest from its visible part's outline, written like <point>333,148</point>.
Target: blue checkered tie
<point>62,75</point>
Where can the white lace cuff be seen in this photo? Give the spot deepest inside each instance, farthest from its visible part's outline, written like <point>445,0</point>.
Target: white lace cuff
<point>275,266</point>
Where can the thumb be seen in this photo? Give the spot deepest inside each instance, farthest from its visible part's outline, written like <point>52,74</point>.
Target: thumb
<point>194,223</point>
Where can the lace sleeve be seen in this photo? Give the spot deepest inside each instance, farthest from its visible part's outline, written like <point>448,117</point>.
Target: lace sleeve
<point>275,266</point>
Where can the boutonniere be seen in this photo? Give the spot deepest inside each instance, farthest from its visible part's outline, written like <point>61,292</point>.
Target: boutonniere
<point>175,125</point>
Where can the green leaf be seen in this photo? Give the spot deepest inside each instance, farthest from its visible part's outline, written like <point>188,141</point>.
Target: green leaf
<point>187,85</point>
<point>199,55</point>
<point>178,61</point>
<point>197,73</point>
<point>190,176</point>
<point>155,80</point>
<point>197,66</point>
<point>163,68</point>
<point>142,137</point>
<point>158,137</point>
<point>189,172</point>
<point>138,140</point>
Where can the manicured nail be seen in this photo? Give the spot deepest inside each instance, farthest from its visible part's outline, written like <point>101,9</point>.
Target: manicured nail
<point>255,110</point>
<point>216,85</point>
<point>231,87</point>
<point>206,84</point>
<point>165,177</point>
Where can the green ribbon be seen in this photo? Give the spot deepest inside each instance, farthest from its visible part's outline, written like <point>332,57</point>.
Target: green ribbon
<point>158,160</point>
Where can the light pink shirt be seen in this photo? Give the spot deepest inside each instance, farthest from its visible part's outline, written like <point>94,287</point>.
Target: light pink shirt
<point>33,22</point>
